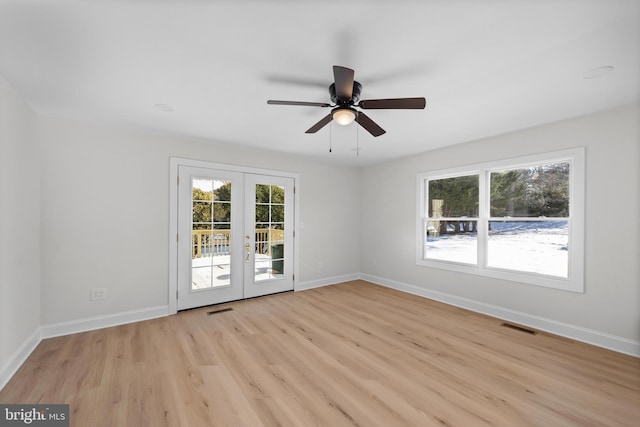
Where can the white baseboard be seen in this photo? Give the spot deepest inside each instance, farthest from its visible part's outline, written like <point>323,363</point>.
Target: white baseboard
<point>73,327</point>
<point>600,339</point>
<point>578,333</point>
<point>19,356</point>
<point>303,286</point>
<point>99,322</point>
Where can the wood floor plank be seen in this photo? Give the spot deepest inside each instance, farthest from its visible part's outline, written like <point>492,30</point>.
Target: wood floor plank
<point>348,354</point>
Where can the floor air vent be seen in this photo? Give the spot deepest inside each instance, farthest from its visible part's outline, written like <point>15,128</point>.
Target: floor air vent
<point>519,328</point>
<point>222,310</point>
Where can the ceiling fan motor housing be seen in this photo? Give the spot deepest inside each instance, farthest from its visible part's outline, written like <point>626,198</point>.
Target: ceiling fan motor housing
<point>355,96</point>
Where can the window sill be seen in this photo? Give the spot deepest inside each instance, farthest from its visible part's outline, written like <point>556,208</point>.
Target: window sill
<point>575,282</point>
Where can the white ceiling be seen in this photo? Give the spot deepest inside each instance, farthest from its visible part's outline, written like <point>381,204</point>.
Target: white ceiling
<point>486,67</point>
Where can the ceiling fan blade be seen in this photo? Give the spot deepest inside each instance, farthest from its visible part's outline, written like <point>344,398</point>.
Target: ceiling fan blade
<point>371,126</point>
<point>295,80</point>
<point>322,123</point>
<point>393,103</point>
<point>307,104</point>
<point>344,81</point>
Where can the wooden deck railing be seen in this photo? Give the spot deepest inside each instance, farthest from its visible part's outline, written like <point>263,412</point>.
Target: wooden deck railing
<point>217,242</point>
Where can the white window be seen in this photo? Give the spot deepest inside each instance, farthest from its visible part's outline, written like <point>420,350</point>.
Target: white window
<point>518,219</point>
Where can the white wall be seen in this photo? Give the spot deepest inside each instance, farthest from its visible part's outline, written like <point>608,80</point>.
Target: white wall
<point>611,302</point>
<point>105,215</point>
<point>85,206</point>
<point>19,228</point>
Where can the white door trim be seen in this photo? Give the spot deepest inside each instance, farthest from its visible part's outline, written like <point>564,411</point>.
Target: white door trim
<point>174,164</point>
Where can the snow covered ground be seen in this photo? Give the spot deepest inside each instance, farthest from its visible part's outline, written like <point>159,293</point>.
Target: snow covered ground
<point>207,272</point>
<point>537,247</point>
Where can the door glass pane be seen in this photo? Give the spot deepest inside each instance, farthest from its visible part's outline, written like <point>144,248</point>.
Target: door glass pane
<point>534,246</point>
<point>262,193</point>
<point>262,214</point>
<point>277,213</point>
<point>269,232</point>
<point>210,233</point>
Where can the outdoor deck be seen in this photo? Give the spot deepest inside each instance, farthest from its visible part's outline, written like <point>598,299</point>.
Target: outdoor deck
<point>212,272</point>
<point>211,257</point>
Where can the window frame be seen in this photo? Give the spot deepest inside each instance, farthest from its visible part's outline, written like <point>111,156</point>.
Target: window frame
<point>574,282</point>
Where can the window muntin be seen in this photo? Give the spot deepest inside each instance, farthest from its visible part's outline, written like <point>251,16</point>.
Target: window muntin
<point>269,231</point>
<point>529,225</point>
<point>210,232</point>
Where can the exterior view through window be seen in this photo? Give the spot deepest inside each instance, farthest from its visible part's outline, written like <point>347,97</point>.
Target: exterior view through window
<point>529,219</point>
<point>269,229</point>
<point>507,218</point>
<point>234,233</point>
<point>210,235</point>
<point>211,238</point>
<point>452,228</point>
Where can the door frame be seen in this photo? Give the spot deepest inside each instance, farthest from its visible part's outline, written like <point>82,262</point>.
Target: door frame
<point>174,164</point>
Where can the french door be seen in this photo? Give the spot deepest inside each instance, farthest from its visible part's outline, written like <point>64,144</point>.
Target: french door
<point>235,235</point>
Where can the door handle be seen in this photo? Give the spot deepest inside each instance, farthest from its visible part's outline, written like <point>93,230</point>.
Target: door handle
<point>248,247</point>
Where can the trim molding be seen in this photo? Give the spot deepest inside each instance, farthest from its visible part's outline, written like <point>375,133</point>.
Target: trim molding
<point>578,333</point>
<point>16,360</point>
<point>99,322</point>
<point>303,286</point>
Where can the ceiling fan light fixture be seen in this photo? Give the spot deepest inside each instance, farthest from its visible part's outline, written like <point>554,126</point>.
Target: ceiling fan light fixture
<point>344,116</point>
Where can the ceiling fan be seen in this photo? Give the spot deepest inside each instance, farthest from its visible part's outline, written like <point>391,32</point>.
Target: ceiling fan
<point>345,95</point>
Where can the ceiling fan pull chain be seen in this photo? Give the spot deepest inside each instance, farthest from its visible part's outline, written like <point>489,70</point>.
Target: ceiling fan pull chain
<point>357,141</point>
<point>330,137</point>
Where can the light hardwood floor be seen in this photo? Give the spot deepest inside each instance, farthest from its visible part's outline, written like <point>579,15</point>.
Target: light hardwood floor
<point>348,354</point>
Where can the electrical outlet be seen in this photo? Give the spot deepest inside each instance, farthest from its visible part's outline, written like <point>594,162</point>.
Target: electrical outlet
<point>98,294</point>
